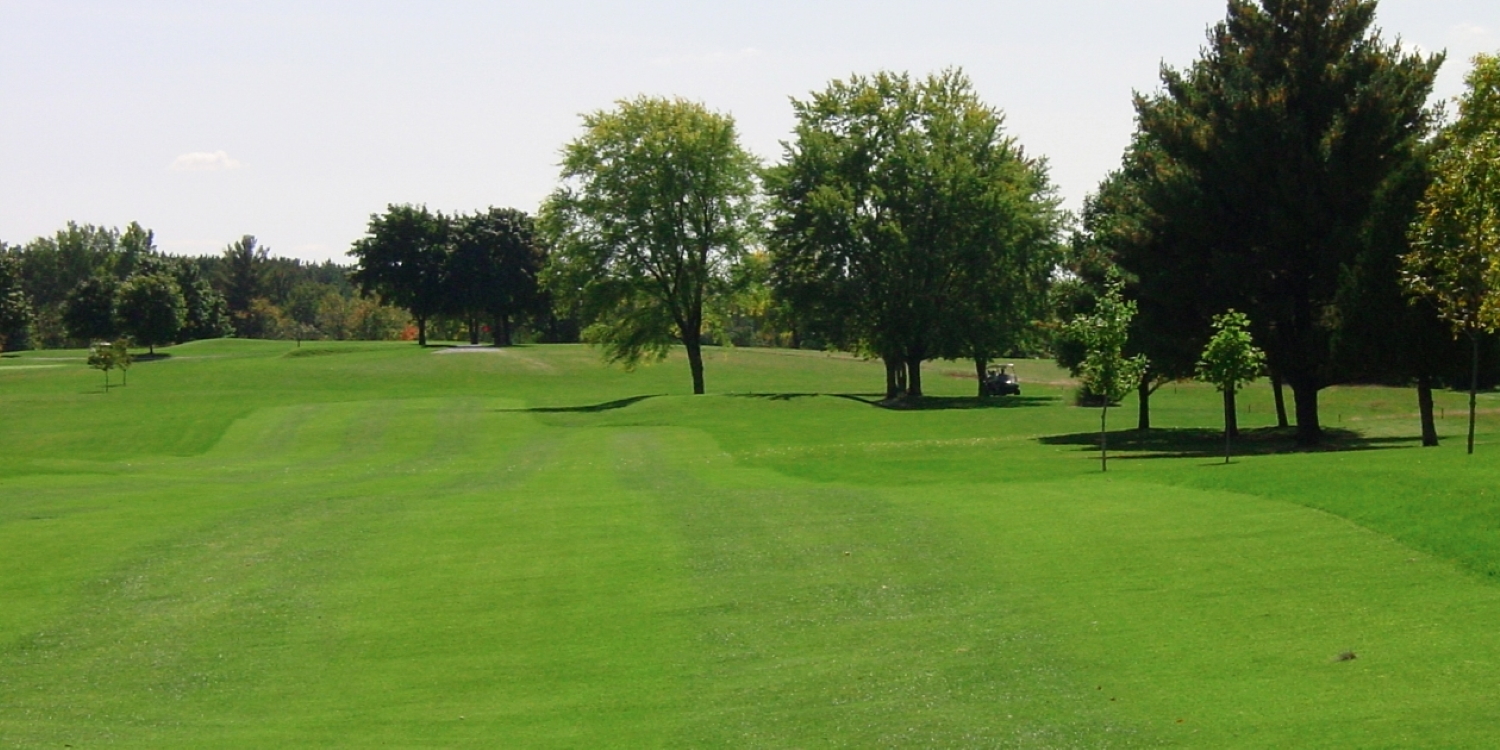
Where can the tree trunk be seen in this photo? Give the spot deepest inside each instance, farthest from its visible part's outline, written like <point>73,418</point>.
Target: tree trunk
<point>505,329</point>
<point>421,330</point>
<point>980,363</point>
<point>1424,406</point>
<point>1231,419</point>
<point>894,370</point>
<point>1305,398</point>
<point>914,377</point>
<point>1231,423</point>
<point>1104,437</point>
<point>1143,420</point>
<point>500,329</point>
<point>1473,385</point>
<point>1280,400</point>
<point>695,362</point>
<point>473,331</point>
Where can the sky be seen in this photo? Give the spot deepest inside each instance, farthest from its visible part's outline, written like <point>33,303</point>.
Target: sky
<point>295,121</point>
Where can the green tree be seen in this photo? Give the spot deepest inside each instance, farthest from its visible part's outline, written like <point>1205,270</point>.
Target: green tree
<point>1287,129</point>
<point>151,309</point>
<point>102,358</point>
<point>493,270</point>
<point>15,307</point>
<point>1106,370</point>
<point>1455,257</point>
<point>1230,361</point>
<point>119,351</point>
<point>908,225</point>
<point>401,260</point>
<point>657,205</point>
<point>88,313</point>
<point>1160,261</point>
<point>205,311</point>
<point>242,275</point>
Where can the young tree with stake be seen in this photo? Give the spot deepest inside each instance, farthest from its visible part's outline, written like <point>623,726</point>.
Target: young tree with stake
<point>1230,361</point>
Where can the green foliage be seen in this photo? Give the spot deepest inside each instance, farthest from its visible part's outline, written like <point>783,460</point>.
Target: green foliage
<point>656,208</point>
<point>1106,371</point>
<point>243,273</point>
<point>102,358</point>
<point>1288,93</point>
<point>1231,359</point>
<point>493,268</point>
<point>151,309</point>
<point>89,310</point>
<point>1455,258</point>
<point>402,259</point>
<point>119,351</point>
<point>15,307</point>
<point>908,225</point>
<point>205,311</point>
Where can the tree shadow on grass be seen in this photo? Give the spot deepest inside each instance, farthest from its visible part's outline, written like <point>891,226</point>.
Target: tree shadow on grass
<point>1196,442</point>
<point>157,357</point>
<point>589,409</point>
<point>950,403</point>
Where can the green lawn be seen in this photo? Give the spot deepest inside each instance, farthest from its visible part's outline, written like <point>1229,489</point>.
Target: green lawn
<point>365,544</point>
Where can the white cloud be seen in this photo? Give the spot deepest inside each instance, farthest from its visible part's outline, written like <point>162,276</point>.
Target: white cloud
<point>711,58</point>
<point>203,161</point>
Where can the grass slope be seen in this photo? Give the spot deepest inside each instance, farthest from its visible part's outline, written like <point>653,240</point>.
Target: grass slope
<point>356,544</point>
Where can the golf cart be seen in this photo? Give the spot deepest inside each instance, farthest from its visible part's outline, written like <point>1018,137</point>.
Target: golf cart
<point>1000,381</point>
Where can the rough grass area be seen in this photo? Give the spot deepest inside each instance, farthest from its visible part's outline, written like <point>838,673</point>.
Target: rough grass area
<point>250,547</point>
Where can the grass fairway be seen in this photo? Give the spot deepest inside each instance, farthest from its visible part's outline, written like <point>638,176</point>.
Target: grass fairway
<point>366,544</point>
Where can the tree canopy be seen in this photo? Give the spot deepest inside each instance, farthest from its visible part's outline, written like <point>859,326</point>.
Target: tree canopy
<point>1286,130</point>
<point>657,205</point>
<point>1455,256</point>
<point>908,225</point>
<point>1107,371</point>
<point>151,309</point>
<point>402,259</point>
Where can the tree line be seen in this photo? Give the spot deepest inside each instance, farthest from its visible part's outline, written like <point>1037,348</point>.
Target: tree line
<point>87,284</point>
<point>1295,173</point>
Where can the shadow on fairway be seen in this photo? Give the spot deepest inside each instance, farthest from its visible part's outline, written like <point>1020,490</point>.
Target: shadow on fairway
<point>1194,442</point>
<point>157,357</point>
<point>590,409</point>
<point>861,397</point>
<point>950,403</point>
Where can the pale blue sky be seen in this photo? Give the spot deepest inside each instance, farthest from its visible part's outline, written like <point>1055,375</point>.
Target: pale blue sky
<point>294,121</point>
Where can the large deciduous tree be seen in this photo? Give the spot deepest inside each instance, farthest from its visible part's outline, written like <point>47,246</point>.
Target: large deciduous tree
<point>1455,257</point>
<point>493,270</point>
<point>908,225</point>
<point>1288,128</point>
<point>402,259</point>
<point>151,309</point>
<point>657,204</point>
